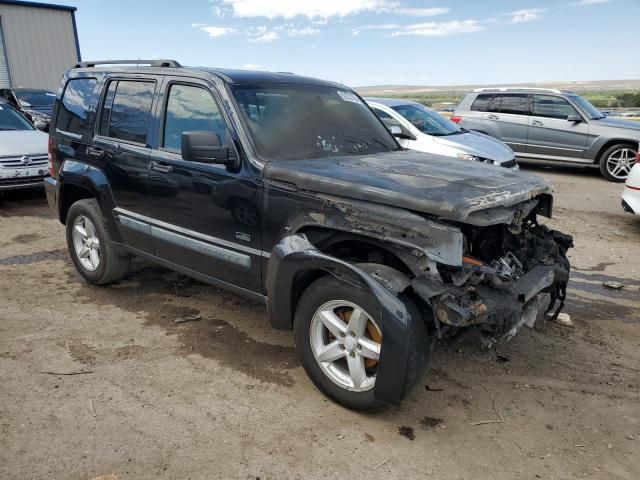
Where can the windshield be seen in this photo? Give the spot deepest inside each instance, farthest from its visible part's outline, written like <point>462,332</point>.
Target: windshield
<point>35,98</point>
<point>295,122</point>
<point>592,112</point>
<point>427,121</point>
<point>12,120</point>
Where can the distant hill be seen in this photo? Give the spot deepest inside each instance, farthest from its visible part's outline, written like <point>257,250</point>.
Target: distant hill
<point>577,86</point>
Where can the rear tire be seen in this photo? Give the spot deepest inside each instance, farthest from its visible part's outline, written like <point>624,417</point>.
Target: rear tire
<point>617,160</point>
<point>335,377</point>
<point>93,253</point>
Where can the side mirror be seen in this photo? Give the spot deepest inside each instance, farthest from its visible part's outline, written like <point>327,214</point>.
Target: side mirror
<point>40,125</point>
<point>575,118</point>
<point>397,132</point>
<point>204,147</point>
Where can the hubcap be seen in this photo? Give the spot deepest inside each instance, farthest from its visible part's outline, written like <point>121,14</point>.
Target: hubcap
<point>346,342</point>
<point>620,162</point>
<point>86,243</point>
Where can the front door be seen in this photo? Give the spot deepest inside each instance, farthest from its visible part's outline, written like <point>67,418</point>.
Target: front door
<point>550,134</point>
<point>205,217</point>
<point>122,142</point>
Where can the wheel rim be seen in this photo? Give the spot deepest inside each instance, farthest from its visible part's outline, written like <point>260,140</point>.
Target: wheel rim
<point>619,163</point>
<point>346,342</point>
<point>86,243</point>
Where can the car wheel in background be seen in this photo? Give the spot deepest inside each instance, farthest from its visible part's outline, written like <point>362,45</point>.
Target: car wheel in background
<point>94,255</point>
<point>616,162</point>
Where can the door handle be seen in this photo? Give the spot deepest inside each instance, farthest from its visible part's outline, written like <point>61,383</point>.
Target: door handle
<point>493,117</point>
<point>159,167</point>
<point>537,123</point>
<point>95,152</point>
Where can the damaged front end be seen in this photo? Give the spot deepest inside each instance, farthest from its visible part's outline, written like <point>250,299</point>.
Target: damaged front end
<point>506,269</point>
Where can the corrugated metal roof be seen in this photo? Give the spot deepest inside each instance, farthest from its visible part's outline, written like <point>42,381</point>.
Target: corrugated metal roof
<point>38,5</point>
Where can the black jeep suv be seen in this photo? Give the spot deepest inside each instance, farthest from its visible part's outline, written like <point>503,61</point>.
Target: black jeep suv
<point>290,191</point>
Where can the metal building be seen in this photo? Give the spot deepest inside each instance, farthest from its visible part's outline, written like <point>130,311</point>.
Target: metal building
<point>38,42</point>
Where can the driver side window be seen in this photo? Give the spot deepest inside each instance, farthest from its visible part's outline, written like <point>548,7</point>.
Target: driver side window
<point>549,106</point>
<point>190,109</point>
<point>387,119</point>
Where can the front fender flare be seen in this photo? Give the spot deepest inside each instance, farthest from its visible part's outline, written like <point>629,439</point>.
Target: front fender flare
<point>295,255</point>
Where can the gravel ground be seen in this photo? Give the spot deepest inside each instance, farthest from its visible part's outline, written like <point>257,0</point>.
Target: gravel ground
<point>225,396</point>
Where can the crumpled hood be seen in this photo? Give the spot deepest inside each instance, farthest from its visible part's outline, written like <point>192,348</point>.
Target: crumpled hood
<point>16,143</point>
<point>478,144</point>
<point>417,181</point>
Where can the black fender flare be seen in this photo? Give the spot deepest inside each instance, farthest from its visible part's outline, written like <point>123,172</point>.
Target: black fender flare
<point>294,255</point>
<point>93,180</point>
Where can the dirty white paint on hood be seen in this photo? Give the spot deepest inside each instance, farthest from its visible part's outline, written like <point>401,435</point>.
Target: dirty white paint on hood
<point>15,143</point>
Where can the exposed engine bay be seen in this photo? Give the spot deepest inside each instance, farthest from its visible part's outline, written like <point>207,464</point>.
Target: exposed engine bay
<point>505,271</point>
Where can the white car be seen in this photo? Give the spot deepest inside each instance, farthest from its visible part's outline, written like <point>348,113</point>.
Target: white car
<point>23,151</point>
<point>631,193</point>
<point>417,127</point>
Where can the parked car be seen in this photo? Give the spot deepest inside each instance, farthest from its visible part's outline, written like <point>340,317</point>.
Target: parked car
<point>548,125</point>
<point>365,250</point>
<point>23,151</point>
<point>631,192</point>
<point>425,130</point>
<point>35,104</point>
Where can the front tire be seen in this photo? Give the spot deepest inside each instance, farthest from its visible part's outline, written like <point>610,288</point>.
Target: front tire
<point>338,340</point>
<point>616,162</point>
<point>94,255</point>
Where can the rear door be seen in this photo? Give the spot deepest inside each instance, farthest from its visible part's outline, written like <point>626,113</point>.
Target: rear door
<point>205,216</point>
<point>507,119</point>
<point>550,134</point>
<point>122,145</point>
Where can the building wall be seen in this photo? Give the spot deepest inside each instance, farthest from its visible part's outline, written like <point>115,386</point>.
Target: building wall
<point>40,44</point>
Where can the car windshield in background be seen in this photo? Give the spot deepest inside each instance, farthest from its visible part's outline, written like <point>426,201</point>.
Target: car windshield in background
<point>592,112</point>
<point>296,122</point>
<point>36,98</point>
<point>427,121</point>
<point>12,120</point>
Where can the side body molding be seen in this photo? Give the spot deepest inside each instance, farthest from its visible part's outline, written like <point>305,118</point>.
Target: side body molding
<point>295,255</point>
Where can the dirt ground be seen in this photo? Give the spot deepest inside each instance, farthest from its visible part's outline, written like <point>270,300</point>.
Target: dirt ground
<point>225,397</point>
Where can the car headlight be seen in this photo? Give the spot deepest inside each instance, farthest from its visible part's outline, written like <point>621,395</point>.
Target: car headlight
<point>467,156</point>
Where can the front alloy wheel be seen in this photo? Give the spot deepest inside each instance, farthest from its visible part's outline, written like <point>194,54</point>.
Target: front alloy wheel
<point>616,162</point>
<point>345,341</point>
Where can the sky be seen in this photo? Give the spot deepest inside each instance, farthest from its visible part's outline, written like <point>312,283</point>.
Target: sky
<point>376,42</point>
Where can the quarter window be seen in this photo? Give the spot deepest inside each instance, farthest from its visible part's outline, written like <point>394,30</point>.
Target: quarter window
<point>190,109</point>
<point>481,103</point>
<point>551,107</point>
<point>73,114</point>
<point>125,115</point>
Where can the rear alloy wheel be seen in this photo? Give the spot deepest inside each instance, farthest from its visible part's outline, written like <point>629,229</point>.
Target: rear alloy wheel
<point>86,243</point>
<point>616,162</point>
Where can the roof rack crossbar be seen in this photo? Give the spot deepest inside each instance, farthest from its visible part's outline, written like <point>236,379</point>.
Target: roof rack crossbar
<point>511,89</point>
<point>152,63</point>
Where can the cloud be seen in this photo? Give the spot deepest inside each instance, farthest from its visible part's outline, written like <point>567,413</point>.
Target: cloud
<point>582,3</point>
<point>266,37</point>
<point>441,29</point>
<point>213,31</point>
<point>251,66</point>
<point>302,32</point>
<point>526,15</point>
<point>321,9</point>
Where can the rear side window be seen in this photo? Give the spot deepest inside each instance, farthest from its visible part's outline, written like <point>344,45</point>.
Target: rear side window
<point>73,113</point>
<point>481,103</point>
<point>515,104</point>
<point>551,107</point>
<point>126,111</point>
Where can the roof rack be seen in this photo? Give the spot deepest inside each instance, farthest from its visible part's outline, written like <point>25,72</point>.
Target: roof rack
<point>152,63</point>
<point>507,89</point>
